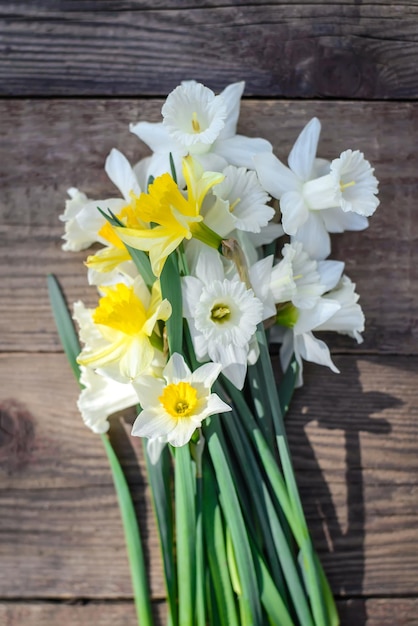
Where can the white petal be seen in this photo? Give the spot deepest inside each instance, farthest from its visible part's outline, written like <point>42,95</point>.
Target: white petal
<point>182,433</point>
<point>266,235</point>
<point>349,319</point>
<point>141,172</point>
<point>294,211</point>
<point>233,360</point>
<point>209,266</point>
<point>274,176</point>
<point>176,369</point>
<point>336,221</point>
<point>91,220</point>
<point>219,218</point>
<point>312,349</point>
<point>136,359</point>
<point>314,237</point>
<point>240,151</point>
<point>260,276</point>
<point>309,319</point>
<point>302,155</point>
<point>206,374</point>
<point>101,397</point>
<point>121,174</point>
<point>191,289</point>
<point>231,97</point>
<point>74,204</point>
<point>156,136</point>
<point>148,389</point>
<point>330,273</point>
<point>152,423</point>
<point>216,405</point>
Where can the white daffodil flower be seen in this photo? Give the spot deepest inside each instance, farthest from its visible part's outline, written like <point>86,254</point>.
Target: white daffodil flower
<point>196,121</point>
<point>349,319</point>
<point>301,280</point>
<point>222,315</point>
<point>176,404</point>
<point>100,397</point>
<point>82,218</point>
<point>318,197</point>
<point>240,203</point>
<point>298,284</point>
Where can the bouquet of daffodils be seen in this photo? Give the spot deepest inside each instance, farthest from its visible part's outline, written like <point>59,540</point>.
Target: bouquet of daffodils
<point>213,251</point>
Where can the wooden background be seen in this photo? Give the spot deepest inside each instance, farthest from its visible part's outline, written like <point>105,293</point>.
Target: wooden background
<point>73,74</point>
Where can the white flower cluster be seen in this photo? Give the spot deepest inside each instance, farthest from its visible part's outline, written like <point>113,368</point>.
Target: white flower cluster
<point>202,178</point>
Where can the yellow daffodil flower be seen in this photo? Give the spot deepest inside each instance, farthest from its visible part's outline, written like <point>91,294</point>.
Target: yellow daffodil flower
<point>115,252</point>
<point>175,216</point>
<point>121,331</point>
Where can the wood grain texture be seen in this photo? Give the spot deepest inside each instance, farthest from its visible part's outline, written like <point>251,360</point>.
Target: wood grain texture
<point>76,614</point>
<point>374,612</point>
<point>355,450</point>
<point>48,146</point>
<point>365,49</point>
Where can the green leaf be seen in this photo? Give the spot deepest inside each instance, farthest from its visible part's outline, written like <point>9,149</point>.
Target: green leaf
<point>313,584</point>
<point>171,289</point>
<point>64,324</point>
<point>139,257</point>
<point>143,265</point>
<point>251,612</point>
<point>185,492</point>
<point>216,551</point>
<point>173,168</point>
<point>271,599</point>
<point>287,385</point>
<point>132,538</point>
<point>277,548</point>
<point>159,479</point>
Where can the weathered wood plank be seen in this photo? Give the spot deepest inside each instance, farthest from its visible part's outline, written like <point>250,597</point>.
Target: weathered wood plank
<point>362,49</point>
<point>95,613</point>
<point>355,453</point>
<point>48,146</point>
<point>358,471</point>
<point>370,612</point>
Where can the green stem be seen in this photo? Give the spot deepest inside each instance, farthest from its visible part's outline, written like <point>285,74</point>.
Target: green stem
<point>249,600</point>
<point>159,478</point>
<point>132,538</point>
<point>313,584</point>
<point>184,484</point>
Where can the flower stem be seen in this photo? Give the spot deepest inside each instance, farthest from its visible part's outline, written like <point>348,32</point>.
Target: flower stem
<point>132,538</point>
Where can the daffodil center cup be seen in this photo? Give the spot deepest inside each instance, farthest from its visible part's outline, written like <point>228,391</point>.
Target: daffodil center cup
<point>121,310</point>
<point>179,399</point>
<point>220,313</point>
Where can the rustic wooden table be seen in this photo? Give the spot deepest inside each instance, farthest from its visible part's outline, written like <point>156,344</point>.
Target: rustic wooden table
<point>74,73</point>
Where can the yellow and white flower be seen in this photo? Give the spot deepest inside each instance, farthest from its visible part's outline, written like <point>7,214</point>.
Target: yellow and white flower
<point>175,216</point>
<point>176,404</point>
<point>121,335</point>
<point>82,219</point>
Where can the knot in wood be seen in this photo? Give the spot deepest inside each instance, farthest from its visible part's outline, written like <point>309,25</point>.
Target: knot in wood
<point>17,434</point>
